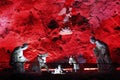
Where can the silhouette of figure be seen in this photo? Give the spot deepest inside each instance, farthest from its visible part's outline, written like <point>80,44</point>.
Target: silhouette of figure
<point>17,58</point>
<point>102,54</point>
<point>58,70</point>
<point>42,61</point>
<point>73,61</point>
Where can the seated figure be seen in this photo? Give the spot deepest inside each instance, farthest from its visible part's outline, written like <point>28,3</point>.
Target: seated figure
<point>58,70</point>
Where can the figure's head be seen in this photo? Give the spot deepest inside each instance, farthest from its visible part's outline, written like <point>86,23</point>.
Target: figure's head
<point>92,39</point>
<point>59,67</point>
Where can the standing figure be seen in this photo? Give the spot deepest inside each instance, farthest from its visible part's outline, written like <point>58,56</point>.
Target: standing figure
<point>73,61</point>
<point>17,58</point>
<point>102,54</point>
<point>42,61</point>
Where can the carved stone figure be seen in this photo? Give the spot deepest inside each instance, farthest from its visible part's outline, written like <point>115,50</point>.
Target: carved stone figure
<point>42,61</point>
<point>102,54</point>
<point>17,58</point>
<point>73,61</point>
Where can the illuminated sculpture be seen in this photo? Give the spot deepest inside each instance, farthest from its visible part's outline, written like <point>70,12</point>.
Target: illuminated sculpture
<point>42,61</point>
<point>58,70</point>
<point>18,59</point>
<point>102,54</point>
<point>73,61</point>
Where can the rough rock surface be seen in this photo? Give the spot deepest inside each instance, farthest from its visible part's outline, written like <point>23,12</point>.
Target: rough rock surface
<point>29,21</point>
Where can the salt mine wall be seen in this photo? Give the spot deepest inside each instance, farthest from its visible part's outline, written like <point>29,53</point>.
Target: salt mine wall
<point>37,23</point>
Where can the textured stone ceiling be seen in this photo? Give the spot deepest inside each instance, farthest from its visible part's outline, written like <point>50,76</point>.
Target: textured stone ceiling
<point>29,21</point>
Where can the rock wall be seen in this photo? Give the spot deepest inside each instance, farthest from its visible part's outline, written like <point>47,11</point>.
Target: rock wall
<point>29,21</point>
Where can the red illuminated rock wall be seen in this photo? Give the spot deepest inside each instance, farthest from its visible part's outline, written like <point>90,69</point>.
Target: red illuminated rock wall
<point>27,21</point>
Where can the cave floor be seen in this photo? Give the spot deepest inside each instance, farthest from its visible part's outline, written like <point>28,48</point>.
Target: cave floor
<point>85,75</point>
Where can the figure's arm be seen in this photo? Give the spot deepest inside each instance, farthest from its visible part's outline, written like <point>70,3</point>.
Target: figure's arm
<point>24,48</point>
